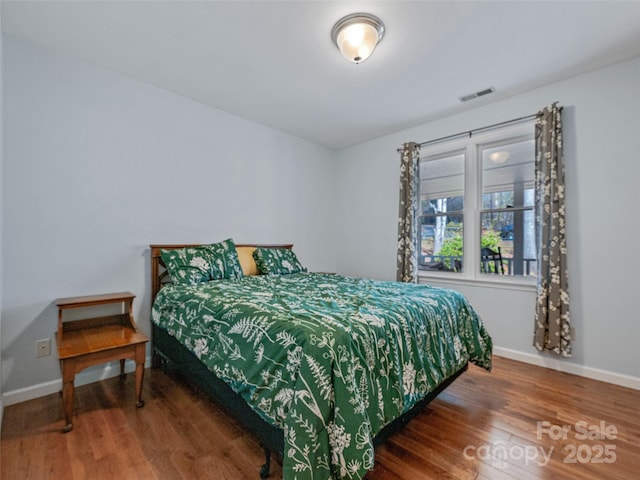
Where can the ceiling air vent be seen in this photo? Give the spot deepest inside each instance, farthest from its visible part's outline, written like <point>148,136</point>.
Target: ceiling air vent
<point>480,93</point>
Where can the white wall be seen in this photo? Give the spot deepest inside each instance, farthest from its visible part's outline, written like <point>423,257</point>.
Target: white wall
<point>602,148</point>
<point>1,206</point>
<point>99,166</point>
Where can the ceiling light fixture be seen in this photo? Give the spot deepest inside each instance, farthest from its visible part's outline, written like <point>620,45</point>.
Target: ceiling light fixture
<point>357,35</point>
<point>499,157</point>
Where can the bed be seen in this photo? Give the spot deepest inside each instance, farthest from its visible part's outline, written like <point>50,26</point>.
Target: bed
<point>321,368</point>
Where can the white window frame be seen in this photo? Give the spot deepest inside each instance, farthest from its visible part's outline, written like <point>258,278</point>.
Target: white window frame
<point>471,146</point>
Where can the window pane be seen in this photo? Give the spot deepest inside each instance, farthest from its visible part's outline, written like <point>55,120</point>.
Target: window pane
<point>441,241</point>
<point>441,192</point>
<point>507,174</point>
<point>513,233</point>
<point>442,184</point>
<point>506,218</point>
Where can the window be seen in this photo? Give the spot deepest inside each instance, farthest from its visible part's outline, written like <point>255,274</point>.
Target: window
<point>476,215</point>
<point>442,211</point>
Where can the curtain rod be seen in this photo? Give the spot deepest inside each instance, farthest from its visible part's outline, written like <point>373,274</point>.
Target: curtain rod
<point>476,130</point>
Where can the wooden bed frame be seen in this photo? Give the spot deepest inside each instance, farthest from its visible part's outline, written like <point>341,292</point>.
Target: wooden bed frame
<point>169,352</point>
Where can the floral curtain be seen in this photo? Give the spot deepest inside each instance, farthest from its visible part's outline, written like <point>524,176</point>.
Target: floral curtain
<point>552,320</point>
<point>407,268</point>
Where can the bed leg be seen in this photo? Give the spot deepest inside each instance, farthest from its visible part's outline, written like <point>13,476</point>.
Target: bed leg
<point>155,359</point>
<point>158,360</point>
<point>264,471</point>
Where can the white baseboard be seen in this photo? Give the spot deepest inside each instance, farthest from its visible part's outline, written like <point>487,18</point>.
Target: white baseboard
<point>568,367</point>
<point>90,375</point>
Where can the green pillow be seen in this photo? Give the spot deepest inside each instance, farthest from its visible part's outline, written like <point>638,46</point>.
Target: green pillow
<point>224,260</point>
<point>277,261</point>
<point>189,265</point>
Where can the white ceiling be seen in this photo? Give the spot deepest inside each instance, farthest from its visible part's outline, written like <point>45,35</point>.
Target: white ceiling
<point>274,63</point>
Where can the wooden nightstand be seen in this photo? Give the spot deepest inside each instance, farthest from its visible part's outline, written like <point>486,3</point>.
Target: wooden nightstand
<point>91,341</point>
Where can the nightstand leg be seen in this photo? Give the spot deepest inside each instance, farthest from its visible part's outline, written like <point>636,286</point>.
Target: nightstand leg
<point>140,351</point>
<point>67,394</point>
<point>122,375</point>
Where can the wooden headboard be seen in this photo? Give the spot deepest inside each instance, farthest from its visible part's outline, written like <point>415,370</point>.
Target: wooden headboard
<point>159,274</point>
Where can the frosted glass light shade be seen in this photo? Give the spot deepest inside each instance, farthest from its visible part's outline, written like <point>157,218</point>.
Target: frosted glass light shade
<point>499,157</point>
<point>357,35</point>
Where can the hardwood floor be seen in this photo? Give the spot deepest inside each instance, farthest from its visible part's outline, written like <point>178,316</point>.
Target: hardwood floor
<point>484,426</point>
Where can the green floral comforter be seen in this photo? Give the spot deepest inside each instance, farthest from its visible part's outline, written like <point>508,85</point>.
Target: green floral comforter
<point>329,359</point>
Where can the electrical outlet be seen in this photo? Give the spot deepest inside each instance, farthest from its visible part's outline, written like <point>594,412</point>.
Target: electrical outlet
<point>43,347</point>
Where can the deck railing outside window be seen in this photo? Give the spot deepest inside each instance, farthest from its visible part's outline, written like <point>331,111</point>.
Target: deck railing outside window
<point>454,264</point>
